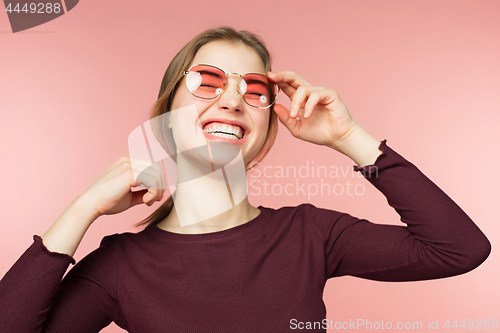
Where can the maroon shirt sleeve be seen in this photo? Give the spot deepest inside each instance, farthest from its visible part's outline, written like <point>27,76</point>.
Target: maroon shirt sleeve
<point>440,240</point>
<point>33,298</point>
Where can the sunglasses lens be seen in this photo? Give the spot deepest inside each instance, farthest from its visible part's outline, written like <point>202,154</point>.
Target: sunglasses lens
<point>260,90</point>
<point>205,81</point>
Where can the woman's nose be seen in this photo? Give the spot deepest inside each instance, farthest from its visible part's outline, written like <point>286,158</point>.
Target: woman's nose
<point>231,98</point>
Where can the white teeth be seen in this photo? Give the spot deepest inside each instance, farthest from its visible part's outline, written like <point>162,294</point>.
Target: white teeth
<point>229,131</point>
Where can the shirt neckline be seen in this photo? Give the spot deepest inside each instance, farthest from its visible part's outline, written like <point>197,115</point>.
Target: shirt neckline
<point>155,231</point>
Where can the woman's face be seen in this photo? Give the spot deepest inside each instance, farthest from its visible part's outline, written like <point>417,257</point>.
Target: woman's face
<point>228,107</point>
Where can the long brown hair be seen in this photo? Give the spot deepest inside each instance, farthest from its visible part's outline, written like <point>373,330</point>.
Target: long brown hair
<point>171,80</point>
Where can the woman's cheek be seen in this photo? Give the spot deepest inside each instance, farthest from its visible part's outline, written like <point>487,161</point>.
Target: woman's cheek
<point>261,126</point>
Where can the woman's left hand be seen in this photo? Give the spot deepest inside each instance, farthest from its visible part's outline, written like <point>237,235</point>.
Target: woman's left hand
<point>322,117</point>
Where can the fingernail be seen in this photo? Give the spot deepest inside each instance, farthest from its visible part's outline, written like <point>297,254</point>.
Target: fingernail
<point>292,112</point>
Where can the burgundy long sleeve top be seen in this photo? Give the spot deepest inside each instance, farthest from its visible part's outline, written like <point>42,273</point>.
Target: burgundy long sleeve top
<point>255,277</point>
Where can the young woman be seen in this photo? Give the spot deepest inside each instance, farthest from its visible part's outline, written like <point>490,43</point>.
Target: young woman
<point>246,269</point>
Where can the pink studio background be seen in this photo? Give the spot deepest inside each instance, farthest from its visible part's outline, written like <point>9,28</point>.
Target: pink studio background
<point>424,75</point>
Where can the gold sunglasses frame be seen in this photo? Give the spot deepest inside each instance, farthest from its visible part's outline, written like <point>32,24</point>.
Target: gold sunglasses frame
<point>239,82</point>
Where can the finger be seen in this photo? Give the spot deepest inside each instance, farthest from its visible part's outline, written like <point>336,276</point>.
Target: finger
<point>157,171</point>
<point>140,166</point>
<point>290,123</point>
<point>163,183</point>
<point>151,194</point>
<point>142,196</point>
<point>292,78</point>
<point>287,89</point>
<point>324,96</point>
<point>299,100</point>
<point>311,103</point>
<point>151,178</point>
<point>125,163</point>
<point>138,197</point>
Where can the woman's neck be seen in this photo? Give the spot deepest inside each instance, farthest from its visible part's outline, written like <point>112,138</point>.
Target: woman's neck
<point>210,200</point>
<point>240,214</point>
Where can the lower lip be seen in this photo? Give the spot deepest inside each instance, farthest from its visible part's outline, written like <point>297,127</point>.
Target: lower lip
<point>238,142</point>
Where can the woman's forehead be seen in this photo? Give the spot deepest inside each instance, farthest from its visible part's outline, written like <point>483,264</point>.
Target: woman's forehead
<point>232,58</point>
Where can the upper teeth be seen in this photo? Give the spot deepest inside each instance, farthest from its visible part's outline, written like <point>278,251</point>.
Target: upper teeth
<point>225,128</point>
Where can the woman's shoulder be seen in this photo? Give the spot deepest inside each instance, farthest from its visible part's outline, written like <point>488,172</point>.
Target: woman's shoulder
<point>119,239</point>
<point>304,210</point>
<point>323,222</point>
<point>109,252</point>
<point>309,214</point>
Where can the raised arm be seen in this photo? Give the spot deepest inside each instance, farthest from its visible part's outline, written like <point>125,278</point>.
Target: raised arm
<point>32,296</point>
<point>440,240</point>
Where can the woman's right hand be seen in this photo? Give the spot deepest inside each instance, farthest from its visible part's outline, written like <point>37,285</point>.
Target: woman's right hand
<point>112,194</point>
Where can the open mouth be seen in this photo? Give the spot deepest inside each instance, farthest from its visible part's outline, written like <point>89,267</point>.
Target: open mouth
<point>223,130</point>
